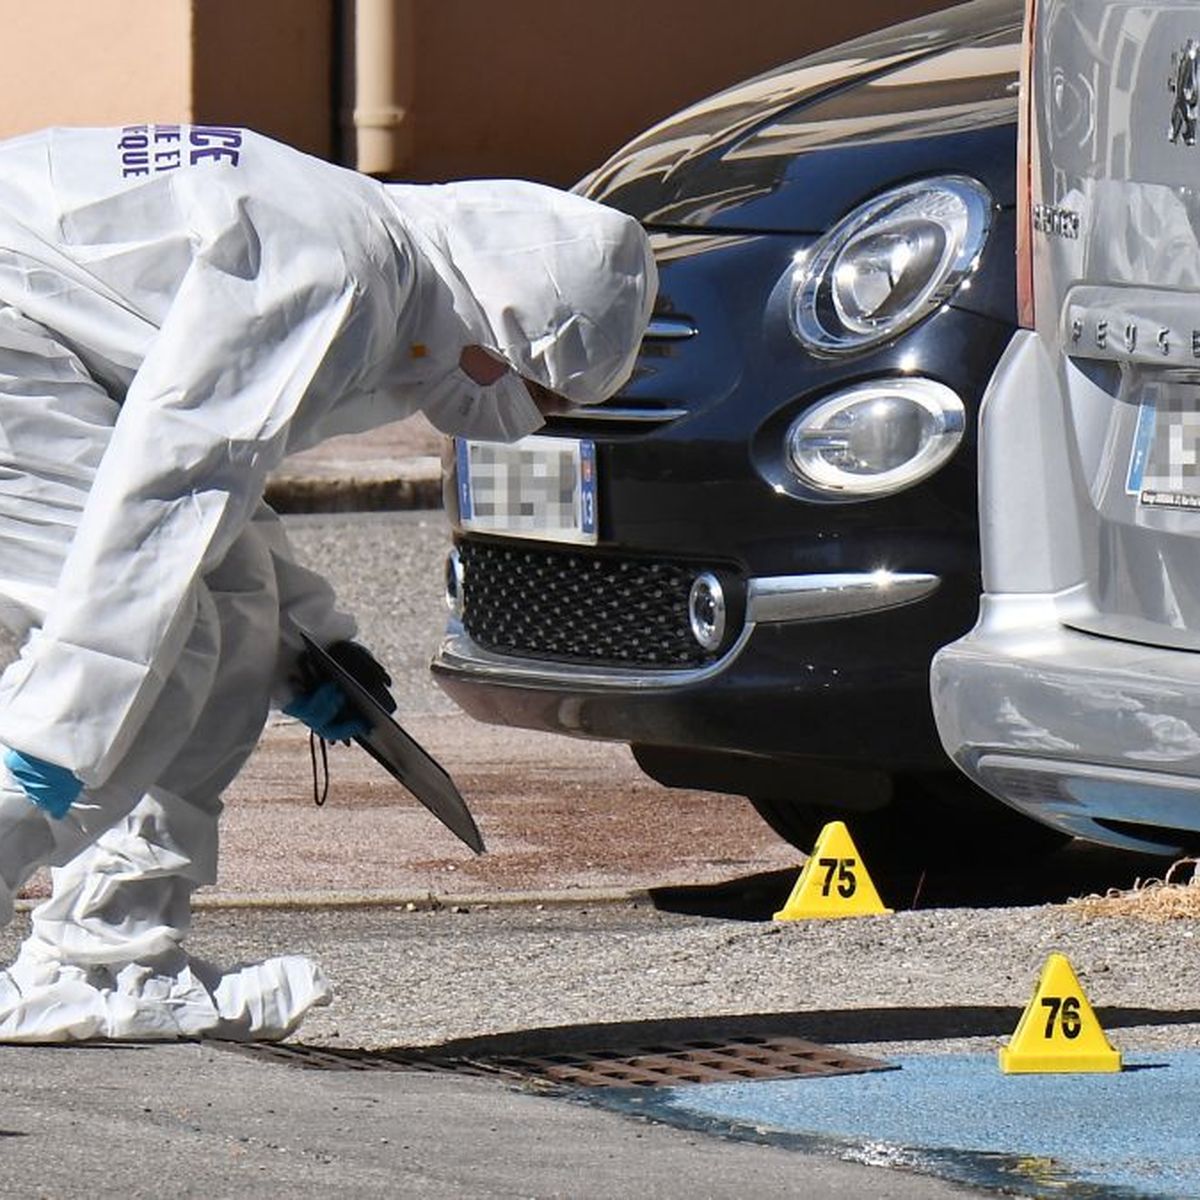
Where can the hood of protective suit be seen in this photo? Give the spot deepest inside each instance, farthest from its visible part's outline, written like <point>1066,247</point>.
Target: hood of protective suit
<point>558,286</point>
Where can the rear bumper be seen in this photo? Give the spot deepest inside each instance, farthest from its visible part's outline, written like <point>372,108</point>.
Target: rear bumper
<point>1096,737</point>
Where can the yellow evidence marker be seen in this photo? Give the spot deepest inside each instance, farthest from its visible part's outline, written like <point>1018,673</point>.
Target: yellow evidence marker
<point>834,881</point>
<point>1058,1031</point>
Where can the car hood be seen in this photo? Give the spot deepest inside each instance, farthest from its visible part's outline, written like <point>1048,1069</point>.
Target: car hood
<point>792,150</point>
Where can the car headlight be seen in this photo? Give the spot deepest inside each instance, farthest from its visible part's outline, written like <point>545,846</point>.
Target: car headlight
<point>876,438</point>
<point>889,263</point>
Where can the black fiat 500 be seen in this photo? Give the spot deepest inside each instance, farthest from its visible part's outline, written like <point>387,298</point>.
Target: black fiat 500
<point>742,564</point>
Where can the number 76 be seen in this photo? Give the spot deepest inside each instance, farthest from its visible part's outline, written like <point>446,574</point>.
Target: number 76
<point>1064,1011</point>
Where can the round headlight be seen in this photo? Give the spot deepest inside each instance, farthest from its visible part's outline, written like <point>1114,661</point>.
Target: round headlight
<point>889,263</point>
<point>876,438</point>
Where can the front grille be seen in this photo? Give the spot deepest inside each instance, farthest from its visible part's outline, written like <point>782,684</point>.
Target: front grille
<point>575,607</point>
<point>626,414</point>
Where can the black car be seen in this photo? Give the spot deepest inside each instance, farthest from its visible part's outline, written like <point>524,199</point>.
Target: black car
<point>742,564</point>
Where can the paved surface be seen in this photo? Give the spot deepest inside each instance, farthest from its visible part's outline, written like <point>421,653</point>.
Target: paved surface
<point>935,992</point>
<point>196,1121</point>
<point>560,816</point>
<point>395,467</point>
<point>958,1117</point>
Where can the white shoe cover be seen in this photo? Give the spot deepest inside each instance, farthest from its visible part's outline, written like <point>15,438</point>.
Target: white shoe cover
<point>43,1000</point>
<point>266,1001</point>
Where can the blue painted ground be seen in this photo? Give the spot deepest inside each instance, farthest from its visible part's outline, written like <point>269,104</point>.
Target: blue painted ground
<point>1136,1134</point>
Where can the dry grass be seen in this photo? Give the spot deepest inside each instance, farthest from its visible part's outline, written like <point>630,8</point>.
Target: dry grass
<point>1174,897</point>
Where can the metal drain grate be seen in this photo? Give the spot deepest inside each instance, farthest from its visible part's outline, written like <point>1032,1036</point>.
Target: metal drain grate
<point>663,1065</point>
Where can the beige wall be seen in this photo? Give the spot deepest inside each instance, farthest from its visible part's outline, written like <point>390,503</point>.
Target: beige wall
<point>537,88</point>
<point>547,88</point>
<point>269,64</point>
<point>93,62</point>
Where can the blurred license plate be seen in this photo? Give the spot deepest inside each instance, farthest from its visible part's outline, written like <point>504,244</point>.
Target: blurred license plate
<point>539,487</point>
<point>1164,466</point>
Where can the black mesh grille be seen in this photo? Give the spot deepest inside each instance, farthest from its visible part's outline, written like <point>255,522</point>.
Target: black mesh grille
<point>579,607</point>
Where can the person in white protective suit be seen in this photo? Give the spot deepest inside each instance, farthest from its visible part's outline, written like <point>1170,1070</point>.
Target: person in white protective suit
<point>180,307</point>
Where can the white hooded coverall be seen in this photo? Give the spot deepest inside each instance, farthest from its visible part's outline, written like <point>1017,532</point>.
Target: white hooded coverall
<point>181,307</point>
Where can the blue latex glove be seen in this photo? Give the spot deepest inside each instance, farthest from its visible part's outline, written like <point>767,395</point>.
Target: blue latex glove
<point>50,787</point>
<point>326,711</point>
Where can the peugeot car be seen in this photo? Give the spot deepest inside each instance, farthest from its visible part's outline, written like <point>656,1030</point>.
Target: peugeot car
<point>742,563</point>
<point>1077,697</point>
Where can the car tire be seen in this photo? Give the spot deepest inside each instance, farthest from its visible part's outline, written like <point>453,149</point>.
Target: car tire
<point>932,819</point>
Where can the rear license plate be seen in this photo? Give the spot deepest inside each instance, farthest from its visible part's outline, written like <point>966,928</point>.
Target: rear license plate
<point>1164,466</point>
<point>539,487</point>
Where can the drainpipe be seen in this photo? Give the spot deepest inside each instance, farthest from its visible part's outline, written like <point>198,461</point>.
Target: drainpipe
<point>384,62</point>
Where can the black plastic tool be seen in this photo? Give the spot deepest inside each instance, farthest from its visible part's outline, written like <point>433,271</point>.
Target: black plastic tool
<point>397,752</point>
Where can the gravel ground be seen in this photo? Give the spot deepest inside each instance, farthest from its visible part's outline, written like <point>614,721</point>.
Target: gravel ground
<point>936,981</point>
<point>882,983</point>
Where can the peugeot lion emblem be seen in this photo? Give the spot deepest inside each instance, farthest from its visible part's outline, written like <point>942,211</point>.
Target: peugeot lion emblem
<point>1184,84</point>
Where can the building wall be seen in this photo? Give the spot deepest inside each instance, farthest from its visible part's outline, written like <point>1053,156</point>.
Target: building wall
<point>269,64</point>
<point>547,88</point>
<point>93,62</point>
<point>538,88</point>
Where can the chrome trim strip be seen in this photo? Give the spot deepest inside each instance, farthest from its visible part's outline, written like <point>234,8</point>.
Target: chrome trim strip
<point>770,599</point>
<point>671,329</point>
<point>459,655</point>
<point>660,329</point>
<point>615,413</point>
<point>828,597</point>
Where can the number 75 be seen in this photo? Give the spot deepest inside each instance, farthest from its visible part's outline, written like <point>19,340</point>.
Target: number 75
<point>843,870</point>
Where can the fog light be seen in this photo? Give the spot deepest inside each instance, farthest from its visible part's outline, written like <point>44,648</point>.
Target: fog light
<point>454,583</point>
<point>706,610</point>
<point>876,438</point>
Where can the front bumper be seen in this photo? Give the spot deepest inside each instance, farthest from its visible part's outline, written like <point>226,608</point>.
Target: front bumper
<point>773,600</point>
<point>826,660</point>
<point>814,672</point>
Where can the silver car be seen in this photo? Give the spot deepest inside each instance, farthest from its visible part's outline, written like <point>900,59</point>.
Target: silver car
<point>1076,698</point>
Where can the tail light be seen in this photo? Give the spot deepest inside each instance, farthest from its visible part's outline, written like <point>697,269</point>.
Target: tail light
<point>1026,147</point>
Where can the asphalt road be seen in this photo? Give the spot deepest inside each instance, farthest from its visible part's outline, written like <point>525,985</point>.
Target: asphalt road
<point>913,987</point>
<point>197,1121</point>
